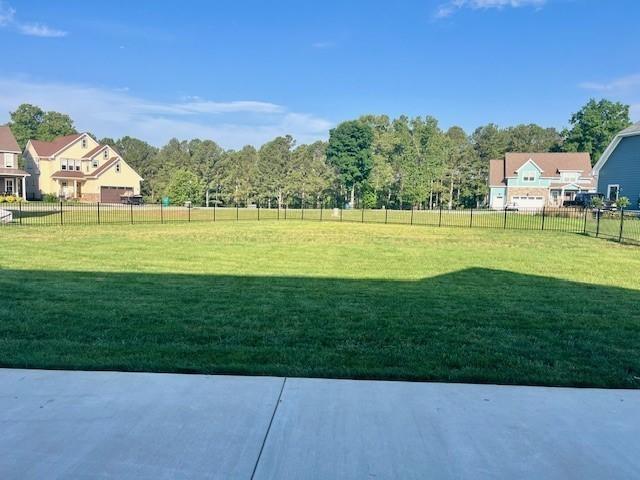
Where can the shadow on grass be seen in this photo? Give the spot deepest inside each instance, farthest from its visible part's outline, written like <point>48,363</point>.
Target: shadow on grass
<point>475,325</point>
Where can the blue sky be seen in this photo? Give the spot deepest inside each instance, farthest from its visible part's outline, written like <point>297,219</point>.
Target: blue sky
<point>243,72</point>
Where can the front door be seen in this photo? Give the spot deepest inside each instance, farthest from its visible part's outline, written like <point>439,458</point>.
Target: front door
<point>10,186</point>
<point>612,192</point>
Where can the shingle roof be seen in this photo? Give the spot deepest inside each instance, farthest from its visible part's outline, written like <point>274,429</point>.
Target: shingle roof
<point>106,165</point>
<point>496,173</point>
<point>550,163</point>
<point>8,141</point>
<point>46,149</point>
<point>68,174</point>
<point>94,151</point>
<point>14,171</point>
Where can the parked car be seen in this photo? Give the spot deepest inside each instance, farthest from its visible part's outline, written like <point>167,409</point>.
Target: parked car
<point>131,199</point>
<point>585,200</point>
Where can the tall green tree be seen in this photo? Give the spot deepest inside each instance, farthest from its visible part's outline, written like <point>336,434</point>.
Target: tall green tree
<point>594,126</point>
<point>30,122</point>
<point>185,186</point>
<point>350,152</point>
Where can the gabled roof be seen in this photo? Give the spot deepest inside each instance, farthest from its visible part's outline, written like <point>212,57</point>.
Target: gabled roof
<point>104,167</point>
<point>93,152</point>
<point>627,132</point>
<point>48,149</point>
<point>8,141</point>
<point>549,162</point>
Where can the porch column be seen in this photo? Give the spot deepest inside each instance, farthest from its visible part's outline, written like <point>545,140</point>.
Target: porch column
<point>24,188</point>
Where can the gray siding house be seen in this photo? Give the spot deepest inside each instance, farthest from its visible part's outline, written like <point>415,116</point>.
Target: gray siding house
<point>618,170</point>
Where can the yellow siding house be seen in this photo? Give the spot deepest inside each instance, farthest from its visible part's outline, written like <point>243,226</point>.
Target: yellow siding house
<point>76,167</point>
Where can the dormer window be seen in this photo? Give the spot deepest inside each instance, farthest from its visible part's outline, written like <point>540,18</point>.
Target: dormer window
<point>84,142</point>
<point>8,160</point>
<point>529,177</point>
<point>94,163</point>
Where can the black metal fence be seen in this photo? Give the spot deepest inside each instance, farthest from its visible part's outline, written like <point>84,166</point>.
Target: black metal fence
<point>622,226</point>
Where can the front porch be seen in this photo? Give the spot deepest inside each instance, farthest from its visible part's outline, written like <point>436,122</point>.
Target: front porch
<point>13,183</point>
<point>69,185</point>
<point>565,193</point>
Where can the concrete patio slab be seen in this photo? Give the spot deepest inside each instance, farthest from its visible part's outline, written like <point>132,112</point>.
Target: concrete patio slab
<point>72,425</point>
<point>359,429</point>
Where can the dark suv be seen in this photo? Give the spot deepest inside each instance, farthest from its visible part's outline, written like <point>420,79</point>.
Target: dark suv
<point>585,200</point>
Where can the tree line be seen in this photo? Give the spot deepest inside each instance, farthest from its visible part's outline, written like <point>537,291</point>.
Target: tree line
<point>372,161</point>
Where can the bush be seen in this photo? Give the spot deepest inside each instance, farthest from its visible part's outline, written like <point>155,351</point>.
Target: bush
<point>49,198</point>
<point>10,199</point>
<point>623,202</point>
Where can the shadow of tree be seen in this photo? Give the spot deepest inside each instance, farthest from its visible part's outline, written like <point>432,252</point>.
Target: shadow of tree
<point>474,325</point>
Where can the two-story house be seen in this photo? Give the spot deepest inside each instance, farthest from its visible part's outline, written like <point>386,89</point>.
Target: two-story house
<point>535,180</point>
<point>77,167</point>
<point>618,170</point>
<point>12,179</point>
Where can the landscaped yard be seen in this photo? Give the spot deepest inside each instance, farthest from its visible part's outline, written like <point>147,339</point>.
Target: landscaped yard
<point>323,299</point>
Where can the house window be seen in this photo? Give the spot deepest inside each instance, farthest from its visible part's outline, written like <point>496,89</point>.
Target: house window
<point>94,163</point>
<point>612,192</point>
<point>569,176</point>
<point>529,177</point>
<point>84,142</point>
<point>118,167</point>
<point>105,154</point>
<point>77,165</point>
<point>63,164</point>
<point>8,160</point>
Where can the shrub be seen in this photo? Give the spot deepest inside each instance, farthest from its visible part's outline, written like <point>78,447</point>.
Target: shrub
<point>49,198</point>
<point>623,202</point>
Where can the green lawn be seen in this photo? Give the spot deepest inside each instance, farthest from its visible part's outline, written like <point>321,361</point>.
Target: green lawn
<point>323,299</point>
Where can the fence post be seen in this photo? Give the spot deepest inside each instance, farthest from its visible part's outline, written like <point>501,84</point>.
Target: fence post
<point>61,221</point>
<point>161,212</point>
<point>362,219</point>
<point>285,212</point>
<point>302,215</point>
<point>98,213</point>
<point>189,212</point>
<point>278,210</point>
<point>341,214</point>
<point>237,212</point>
<point>504,225</point>
<point>584,227</point>
<point>20,208</point>
<point>131,212</point>
<point>440,217</point>
<point>621,224</point>
<point>598,223</point>
<point>214,211</point>
<point>471,219</point>
<point>411,214</point>
<point>320,212</point>
<point>258,211</point>
<point>543,216</point>
<point>386,211</point>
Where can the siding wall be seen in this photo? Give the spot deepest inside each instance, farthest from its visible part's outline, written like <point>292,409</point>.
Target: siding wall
<point>623,168</point>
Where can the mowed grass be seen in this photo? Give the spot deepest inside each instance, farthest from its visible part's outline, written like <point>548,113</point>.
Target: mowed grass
<point>323,299</point>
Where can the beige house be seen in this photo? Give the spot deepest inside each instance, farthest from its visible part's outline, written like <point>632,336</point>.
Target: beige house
<point>77,167</point>
<point>12,179</point>
<point>536,180</point>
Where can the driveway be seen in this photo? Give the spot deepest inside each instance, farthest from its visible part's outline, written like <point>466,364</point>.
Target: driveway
<point>57,424</point>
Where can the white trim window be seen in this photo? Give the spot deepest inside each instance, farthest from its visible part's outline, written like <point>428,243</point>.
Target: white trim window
<point>95,162</point>
<point>63,164</point>
<point>529,177</point>
<point>9,186</point>
<point>9,161</point>
<point>105,154</point>
<point>118,167</point>
<point>84,142</point>
<point>613,192</point>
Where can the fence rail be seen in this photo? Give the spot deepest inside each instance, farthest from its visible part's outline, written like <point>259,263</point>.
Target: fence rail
<point>622,226</point>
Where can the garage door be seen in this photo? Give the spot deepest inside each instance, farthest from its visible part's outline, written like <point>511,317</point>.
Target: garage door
<point>528,202</point>
<point>113,194</point>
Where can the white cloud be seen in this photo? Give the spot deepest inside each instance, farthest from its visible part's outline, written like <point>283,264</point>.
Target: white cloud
<point>617,85</point>
<point>8,19</point>
<point>115,113</point>
<point>449,8</point>
<point>39,30</point>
